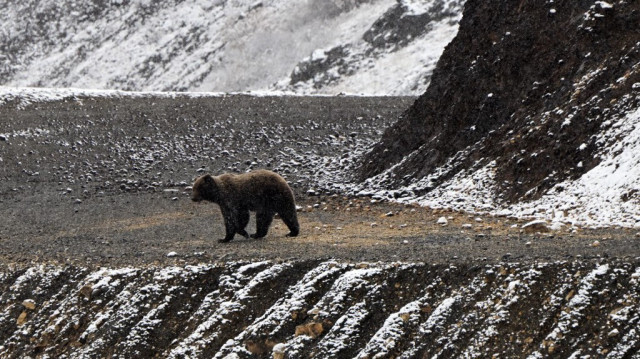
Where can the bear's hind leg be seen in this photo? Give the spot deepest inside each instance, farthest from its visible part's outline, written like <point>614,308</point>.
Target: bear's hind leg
<point>263,221</point>
<point>290,218</point>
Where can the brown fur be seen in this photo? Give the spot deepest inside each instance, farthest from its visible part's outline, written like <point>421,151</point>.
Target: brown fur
<point>261,191</point>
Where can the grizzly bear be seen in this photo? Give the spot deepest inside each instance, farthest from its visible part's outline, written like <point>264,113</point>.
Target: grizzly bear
<point>261,191</point>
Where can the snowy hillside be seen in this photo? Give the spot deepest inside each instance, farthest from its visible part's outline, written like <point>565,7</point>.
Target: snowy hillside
<point>354,46</point>
<point>322,310</point>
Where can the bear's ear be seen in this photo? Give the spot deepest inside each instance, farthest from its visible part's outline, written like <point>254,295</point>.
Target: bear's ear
<point>208,179</point>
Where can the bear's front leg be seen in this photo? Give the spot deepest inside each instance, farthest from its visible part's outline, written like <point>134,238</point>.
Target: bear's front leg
<point>243,220</point>
<point>230,233</point>
<point>229,225</point>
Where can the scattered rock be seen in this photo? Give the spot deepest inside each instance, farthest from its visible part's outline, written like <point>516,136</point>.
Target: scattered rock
<point>172,254</point>
<point>405,317</point>
<point>29,304</point>
<point>442,221</point>
<point>22,318</point>
<point>538,225</point>
<point>279,351</point>
<point>86,291</point>
<point>312,329</point>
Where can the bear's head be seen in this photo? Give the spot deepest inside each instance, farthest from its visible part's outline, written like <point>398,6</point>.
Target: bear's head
<point>205,188</point>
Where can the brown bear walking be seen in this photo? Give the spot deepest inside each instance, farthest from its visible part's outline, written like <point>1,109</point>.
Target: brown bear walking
<point>262,191</point>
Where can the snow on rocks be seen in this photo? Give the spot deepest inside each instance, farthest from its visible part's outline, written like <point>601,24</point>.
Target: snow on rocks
<point>577,304</point>
<point>334,309</point>
<point>395,327</point>
<point>272,326</point>
<point>606,195</point>
<point>233,302</point>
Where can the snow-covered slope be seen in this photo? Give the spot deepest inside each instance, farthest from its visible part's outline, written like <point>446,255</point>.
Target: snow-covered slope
<point>322,310</point>
<point>604,196</point>
<point>224,45</point>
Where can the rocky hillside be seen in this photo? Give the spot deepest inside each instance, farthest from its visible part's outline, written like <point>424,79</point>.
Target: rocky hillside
<point>356,46</point>
<point>528,98</point>
<point>408,36</point>
<point>322,310</point>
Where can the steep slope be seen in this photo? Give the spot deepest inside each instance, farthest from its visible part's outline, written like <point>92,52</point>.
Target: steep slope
<point>196,45</point>
<point>395,56</point>
<point>528,94</point>
<point>322,310</point>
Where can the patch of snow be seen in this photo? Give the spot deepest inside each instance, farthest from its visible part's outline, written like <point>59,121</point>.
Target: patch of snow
<point>238,286</point>
<point>344,331</point>
<point>294,303</point>
<point>570,317</point>
<point>605,195</point>
<point>604,5</point>
<point>385,339</point>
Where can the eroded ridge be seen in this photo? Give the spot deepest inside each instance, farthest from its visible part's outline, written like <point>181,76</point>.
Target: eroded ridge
<point>322,309</point>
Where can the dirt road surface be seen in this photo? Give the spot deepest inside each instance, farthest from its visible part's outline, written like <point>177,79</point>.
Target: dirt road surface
<point>104,182</point>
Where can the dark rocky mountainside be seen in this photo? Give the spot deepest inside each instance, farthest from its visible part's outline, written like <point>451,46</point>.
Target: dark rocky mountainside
<point>527,84</point>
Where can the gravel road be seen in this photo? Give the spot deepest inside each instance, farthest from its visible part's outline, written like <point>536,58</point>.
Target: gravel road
<point>95,181</point>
